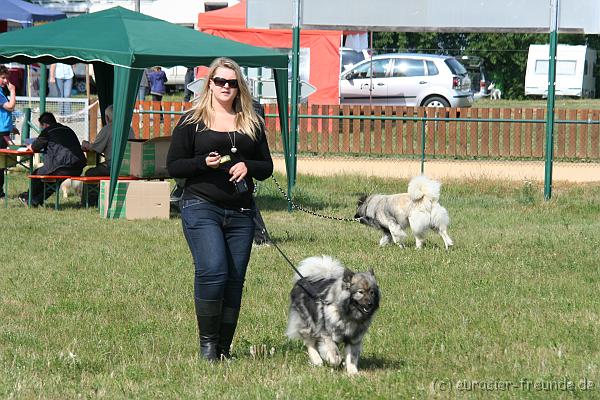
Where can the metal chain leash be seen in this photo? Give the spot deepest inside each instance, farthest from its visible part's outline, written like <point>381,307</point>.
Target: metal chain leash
<point>300,208</point>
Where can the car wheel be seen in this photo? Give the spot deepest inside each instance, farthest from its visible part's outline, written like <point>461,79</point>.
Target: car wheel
<point>436,101</point>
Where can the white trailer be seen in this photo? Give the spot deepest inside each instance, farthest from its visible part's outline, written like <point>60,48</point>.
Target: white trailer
<point>575,67</point>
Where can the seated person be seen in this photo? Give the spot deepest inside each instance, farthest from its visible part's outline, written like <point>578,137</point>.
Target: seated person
<point>102,145</point>
<point>63,156</point>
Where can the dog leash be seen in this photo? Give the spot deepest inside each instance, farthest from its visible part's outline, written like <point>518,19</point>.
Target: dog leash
<point>302,282</point>
<point>300,208</point>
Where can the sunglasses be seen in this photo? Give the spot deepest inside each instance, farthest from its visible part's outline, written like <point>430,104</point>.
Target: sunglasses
<point>220,82</point>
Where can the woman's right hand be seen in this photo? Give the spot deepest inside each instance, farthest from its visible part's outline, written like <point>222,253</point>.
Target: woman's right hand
<point>213,160</point>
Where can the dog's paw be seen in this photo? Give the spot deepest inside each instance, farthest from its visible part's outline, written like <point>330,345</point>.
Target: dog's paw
<point>316,363</point>
<point>314,357</point>
<point>384,241</point>
<point>334,359</point>
<point>351,369</point>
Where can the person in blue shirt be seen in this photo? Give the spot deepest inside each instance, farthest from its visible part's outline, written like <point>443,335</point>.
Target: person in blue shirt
<point>157,79</point>
<point>7,106</point>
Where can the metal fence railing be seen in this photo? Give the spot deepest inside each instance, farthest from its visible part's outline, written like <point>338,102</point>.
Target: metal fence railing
<point>488,133</point>
<point>73,112</point>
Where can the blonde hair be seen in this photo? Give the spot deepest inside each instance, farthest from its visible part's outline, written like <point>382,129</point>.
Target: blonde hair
<point>247,121</point>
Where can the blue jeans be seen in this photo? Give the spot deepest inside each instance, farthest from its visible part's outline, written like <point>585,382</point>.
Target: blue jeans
<point>220,241</point>
<point>64,87</point>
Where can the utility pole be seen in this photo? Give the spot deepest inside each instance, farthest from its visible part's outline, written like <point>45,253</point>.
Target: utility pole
<point>137,5</point>
<point>555,12</point>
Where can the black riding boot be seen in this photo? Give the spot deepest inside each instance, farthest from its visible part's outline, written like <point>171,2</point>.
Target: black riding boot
<point>229,318</point>
<point>208,314</point>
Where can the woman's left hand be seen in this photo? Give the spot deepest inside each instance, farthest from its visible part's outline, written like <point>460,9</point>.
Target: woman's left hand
<point>238,172</point>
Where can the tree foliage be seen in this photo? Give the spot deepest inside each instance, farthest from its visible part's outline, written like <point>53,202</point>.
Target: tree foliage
<point>504,54</point>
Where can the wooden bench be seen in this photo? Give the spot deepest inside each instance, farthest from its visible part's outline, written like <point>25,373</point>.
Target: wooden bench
<point>54,182</point>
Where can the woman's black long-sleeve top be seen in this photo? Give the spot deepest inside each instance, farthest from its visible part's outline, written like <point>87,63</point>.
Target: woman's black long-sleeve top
<point>191,144</point>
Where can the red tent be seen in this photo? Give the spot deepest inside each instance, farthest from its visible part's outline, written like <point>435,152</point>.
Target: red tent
<point>230,23</point>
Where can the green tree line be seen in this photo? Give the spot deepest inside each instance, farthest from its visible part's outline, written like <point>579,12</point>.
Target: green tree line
<point>504,55</point>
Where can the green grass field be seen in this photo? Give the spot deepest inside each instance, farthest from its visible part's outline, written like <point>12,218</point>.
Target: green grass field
<point>94,308</point>
<point>561,102</point>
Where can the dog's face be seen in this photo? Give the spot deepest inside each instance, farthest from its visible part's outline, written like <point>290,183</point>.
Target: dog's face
<point>364,293</point>
<point>361,210</point>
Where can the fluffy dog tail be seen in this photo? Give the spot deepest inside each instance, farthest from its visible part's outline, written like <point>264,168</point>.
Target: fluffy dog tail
<point>320,267</point>
<point>421,187</point>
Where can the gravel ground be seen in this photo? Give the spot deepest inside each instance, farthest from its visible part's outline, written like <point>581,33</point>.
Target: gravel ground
<point>440,169</point>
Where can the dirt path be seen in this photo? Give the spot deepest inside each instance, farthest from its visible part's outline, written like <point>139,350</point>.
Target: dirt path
<point>440,169</point>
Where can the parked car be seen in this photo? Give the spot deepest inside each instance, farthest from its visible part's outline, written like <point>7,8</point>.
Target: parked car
<point>407,79</point>
<point>480,81</point>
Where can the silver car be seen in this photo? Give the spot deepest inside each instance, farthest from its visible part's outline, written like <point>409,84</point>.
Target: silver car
<point>407,79</point>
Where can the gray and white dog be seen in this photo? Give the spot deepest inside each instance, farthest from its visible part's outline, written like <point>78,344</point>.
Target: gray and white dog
<point>349,301</point>
<point>418,209</point>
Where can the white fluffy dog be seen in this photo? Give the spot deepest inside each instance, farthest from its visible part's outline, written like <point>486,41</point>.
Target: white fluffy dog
<point>419,208</point>
<point>70,186</point>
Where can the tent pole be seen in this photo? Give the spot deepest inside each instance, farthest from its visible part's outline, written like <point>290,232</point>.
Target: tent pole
<point>294,99</point>
<point>87,82</point>
<point>43,85</point>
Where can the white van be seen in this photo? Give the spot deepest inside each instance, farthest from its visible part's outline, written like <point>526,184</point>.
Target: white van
<point>575,67</point>
<point>175,77</point>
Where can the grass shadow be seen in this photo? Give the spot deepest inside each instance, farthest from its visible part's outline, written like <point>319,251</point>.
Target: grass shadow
<point>376,363</point>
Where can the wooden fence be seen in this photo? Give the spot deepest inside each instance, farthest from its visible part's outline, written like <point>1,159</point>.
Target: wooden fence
<point>517,138</point>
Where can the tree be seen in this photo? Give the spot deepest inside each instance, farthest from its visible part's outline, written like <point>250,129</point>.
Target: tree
<point>505,58</point>
<point>504,54</point>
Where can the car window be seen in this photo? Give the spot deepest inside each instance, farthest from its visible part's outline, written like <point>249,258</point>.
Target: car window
<point>455,67</point>
<point>431,68</point>
<point>380,69</point>
<point>350,58</point>
<point>408,67</point>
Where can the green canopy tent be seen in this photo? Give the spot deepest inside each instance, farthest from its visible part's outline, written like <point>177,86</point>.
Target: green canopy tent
<point>120,43</point>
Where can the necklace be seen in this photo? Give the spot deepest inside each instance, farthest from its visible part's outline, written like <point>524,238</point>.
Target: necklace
<point>233,148</point>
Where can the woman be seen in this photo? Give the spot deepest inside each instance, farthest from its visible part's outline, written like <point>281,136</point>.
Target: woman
<point>219,147</point>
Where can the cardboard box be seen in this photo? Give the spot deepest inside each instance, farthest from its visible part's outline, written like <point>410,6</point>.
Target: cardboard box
<point>136,200</point>
<point>146,158</point>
